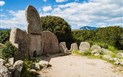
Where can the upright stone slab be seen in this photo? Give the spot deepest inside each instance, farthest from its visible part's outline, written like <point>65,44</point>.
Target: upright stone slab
<point>63,47</point>
<point>20,39</point>
<point>35,47</point>
<point>33,20</point>
<point>84,46</point>
<point>74,46</point>
<point>49,43</point>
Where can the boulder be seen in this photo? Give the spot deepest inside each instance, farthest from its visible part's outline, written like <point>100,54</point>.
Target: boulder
<point>35,66</point>
<point>33,71</point>
<point>63,47</point>
<point>33,20</point>
<point>18,66</point>
<point>95,49</point>
<point>50,43</point>
<point>74,46</point>
<point>84,46</point>
<point>43,63</point>
<point>4,72</point>
<point>11,61</point>
<point>108,57</point>
<point>2,61</point>
<point>120,54</point>
<point>106,51</point>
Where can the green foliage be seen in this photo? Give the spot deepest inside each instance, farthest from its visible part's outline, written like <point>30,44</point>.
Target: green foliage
<point>27,66</point>
<point>58,26</point>
<point>9,50</point>
<point>108,36</point>
<point>4,35</point>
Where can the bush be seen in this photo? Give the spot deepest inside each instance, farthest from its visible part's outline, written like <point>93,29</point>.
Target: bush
<point>9,50</point>
<point>4,36</point>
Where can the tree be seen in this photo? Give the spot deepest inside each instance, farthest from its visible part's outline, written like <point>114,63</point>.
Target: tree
<point>58,26</point>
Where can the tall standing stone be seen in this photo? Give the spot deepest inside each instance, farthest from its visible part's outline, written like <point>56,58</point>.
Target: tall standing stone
<point>33,20</point>
<point>34,29</point>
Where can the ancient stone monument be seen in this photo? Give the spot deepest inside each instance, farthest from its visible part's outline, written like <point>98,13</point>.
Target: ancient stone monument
<point>33,42</point>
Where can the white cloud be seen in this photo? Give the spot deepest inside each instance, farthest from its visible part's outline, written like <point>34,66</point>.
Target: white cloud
<point>18,20</point>
<point>61,0</point>
<point>2,3</point>
<point>93,13</point>
<point>47,8</point>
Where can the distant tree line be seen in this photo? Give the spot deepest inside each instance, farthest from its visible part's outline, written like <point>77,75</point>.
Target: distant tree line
<point>112,35</point>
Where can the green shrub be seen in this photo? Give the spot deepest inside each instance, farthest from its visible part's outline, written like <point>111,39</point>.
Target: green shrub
<point>25,71</point>
<point>9,50</point>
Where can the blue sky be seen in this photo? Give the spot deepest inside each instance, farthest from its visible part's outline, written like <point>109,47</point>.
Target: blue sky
<point>77,13</point>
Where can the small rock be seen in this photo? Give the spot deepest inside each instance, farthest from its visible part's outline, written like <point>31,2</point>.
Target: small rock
<point>43,63</point>
<point>107,57</point>
<point>116,62</point>
<point>121,63</point>
<point>2,61</point>
<point>35,66</point>
<point>120,54</point>
<point>7,65</point>
<point>97,54</point>
<point>11,61</point>
<point>18,65</point>
<point>11,69</point>
<point>4,72</point>
<point>32,71</point>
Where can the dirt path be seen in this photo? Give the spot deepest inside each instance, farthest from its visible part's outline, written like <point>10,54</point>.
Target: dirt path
<point>77,66</point>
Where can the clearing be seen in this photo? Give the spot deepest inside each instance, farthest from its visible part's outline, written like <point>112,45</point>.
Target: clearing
<point>78,66</point>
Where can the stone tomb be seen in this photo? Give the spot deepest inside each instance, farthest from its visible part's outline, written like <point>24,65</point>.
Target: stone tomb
<point>33,42</point>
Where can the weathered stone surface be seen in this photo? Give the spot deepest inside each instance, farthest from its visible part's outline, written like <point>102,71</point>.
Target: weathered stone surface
<point>35,47</point>
<point>20,39</point>
<point>95,49</point>
<point>63,47</point>
<point>106,51</point>
<point>74,46</point>
<point>84,46</point>
<point>49,43</point>
<point>2,61</point>
<point>18,66</point>
<point>34,22</point>
<point>43,63</point>
<point>4,72</point>
<point>11,61</point>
